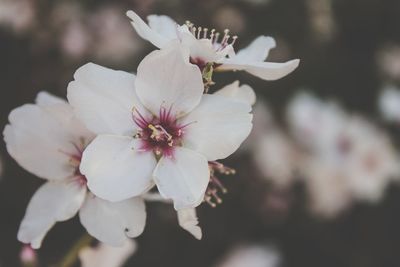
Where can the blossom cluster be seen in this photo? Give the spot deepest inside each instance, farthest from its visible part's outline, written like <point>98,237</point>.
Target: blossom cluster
<point>339,157</point>
<point>124,138</point>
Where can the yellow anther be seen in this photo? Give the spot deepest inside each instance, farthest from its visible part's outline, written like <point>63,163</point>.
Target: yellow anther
<point>154,130</point>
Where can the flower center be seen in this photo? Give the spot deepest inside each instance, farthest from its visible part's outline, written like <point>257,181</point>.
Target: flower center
<point>159,134</point>
<point>218,45</point>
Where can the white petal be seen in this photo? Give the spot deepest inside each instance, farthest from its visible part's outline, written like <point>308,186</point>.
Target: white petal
<point>46,99</point>
<point>116,169</point>
<point>107,256</point>
<point>257,51</point>
<point>188,220</point>
<point>265,70</point>
<point>165,77</point>
<point>251,59</point>
<point>217,126</point>
<point>53,202</point>
<point>163,25</point>
<point>72,126</point>
<point>183,178</point>
<point>201,48</point>
<point>147,33</point>
<point>104,98</point>
<point>113,222</point>
<point>40,141</point>
<point>62,112</point>
<point>243,93</point>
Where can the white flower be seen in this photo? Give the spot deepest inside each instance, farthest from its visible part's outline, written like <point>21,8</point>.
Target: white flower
<point>18,15</point>
<point>106,256</point>
<point>206,47</point>
<point>252,256</point>
<point>47,140</point>
<point>372,161</point>
<point>327,186</point>
<point>155,128</point>
<point>346,158</point>
<point>315,125</point>
<point>389,103</point>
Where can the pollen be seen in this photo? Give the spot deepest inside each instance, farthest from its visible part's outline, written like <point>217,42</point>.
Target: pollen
<point>160,134</point>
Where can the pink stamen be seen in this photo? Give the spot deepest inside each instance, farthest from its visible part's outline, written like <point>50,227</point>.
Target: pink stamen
<point>159,134</point>
<point>139,121</point>
<point>215,185</point>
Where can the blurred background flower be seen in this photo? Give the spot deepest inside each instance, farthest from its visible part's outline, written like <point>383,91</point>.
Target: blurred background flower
<point>251,256</point>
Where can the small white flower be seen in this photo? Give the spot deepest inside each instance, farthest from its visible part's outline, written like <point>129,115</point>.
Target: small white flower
<point>346,158</point>
<point>155,128</point>
<point>315,125</point>
<point>47,140</point>
<point>372,162</point>
<point>327,186</point>
<point>207,47</point>
<point>252,256</point>
<point>389,104</point>
<point>106,256</point>
<point>18,15</point>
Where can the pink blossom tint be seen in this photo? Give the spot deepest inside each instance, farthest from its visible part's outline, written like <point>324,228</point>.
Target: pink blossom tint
<point>159,134</point>
<point>75,160</point>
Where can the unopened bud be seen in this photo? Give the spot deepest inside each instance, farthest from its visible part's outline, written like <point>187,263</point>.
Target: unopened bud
<point>28,256</point>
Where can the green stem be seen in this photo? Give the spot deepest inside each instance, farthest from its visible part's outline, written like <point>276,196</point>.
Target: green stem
<point>73,254</point>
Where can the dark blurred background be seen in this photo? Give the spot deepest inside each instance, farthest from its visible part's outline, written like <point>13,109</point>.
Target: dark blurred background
<point>349,49</point>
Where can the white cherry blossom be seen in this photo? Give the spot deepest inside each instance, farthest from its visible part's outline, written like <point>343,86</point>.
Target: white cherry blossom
<point>373,162</point>
<point>346,157</point>
<point>316,125</point>
<point>327,186</point>
<point>156,128</point>
<point>207,47</point>
<point>389,103</point>
<point>47,140</point>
